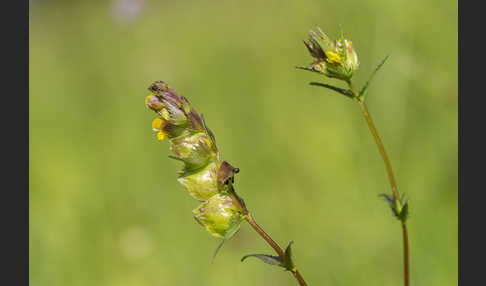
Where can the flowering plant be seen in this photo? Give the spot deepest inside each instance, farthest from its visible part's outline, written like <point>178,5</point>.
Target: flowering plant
<point>210,180</point>
<point>204,175</point>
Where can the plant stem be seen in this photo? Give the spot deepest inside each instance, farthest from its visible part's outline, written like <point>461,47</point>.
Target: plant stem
<point>263,234</point>
<point>406,264</point>
<point>393,183</point>
<point>274,245</point>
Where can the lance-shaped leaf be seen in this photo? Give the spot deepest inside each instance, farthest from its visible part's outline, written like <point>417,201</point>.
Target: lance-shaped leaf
<point>390,200</point>
<point>268,259</point>
<point>365,86</point>
<point>398,208</point>
<point>404,213</point>
<point>289,263</point>
<point>311,69</point>
<point>342,91</point>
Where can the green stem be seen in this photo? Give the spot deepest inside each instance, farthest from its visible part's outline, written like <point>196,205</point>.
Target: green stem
<point>263,234</point>
<point>406,263</point>
<point>393,183</point>
<point>275,246</point>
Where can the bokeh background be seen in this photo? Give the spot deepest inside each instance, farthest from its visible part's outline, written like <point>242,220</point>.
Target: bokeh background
<point>105,206</point>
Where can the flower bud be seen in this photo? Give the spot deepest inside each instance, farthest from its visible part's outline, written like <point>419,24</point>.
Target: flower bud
<point>218,215</point>
<point>158,86</point>
<point>335,59</point>
<point>153,102</point>
<point>170,108</point>
<point>351,56</point>
<point>176,115</point>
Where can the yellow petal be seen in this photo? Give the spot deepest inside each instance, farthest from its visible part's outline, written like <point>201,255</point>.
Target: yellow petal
<point>333,57</point>
<point>157,124</point>
<point>148,96</point>
<point>161,135</point>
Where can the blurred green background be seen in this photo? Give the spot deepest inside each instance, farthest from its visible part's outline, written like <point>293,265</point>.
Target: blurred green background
<point>105,206</point>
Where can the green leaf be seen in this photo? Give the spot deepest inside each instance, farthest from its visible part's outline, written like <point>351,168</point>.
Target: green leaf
<point>289,263</point>
<point>404,213</point>
<point>269,259</point>
<point>341,34</point>
<point>342,91</point>
<point>404,199</point>
<point>401,214</point>
<point>365,87</point>
<point>176,158</point>
<point>308,69</point>
<point>390,200</point>
<point>217,250</point>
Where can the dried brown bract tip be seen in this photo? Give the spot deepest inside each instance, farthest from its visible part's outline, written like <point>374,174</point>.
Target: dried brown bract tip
<point>158,86</point>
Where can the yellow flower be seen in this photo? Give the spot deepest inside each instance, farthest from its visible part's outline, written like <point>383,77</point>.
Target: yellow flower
<point>147,98</point>
<point>333,57</point>
<point>161,135</point>
<point>158,124</point>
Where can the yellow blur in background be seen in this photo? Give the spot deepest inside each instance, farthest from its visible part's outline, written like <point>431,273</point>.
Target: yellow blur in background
<point>105,205</point>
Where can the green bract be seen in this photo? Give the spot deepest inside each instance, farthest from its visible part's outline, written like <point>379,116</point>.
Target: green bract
<point>218,215</point>
<point>202,184</point>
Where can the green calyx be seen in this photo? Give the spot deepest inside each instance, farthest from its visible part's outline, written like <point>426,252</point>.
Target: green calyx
<point>194,149</point>
<point>202,184</point>
<point>219,215</point>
